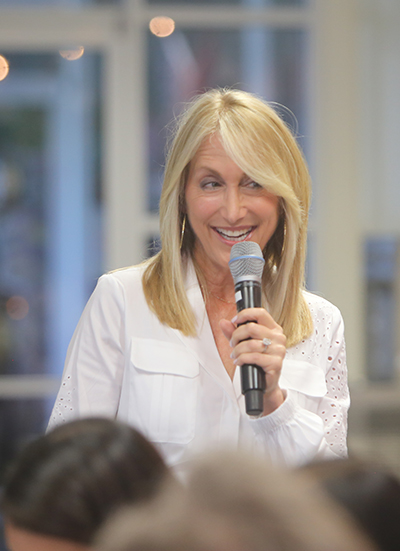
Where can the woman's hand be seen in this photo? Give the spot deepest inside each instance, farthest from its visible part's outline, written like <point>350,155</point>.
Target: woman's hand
<point>246,340</point>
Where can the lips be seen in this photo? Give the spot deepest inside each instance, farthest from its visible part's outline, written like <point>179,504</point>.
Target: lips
<point>234,235</point>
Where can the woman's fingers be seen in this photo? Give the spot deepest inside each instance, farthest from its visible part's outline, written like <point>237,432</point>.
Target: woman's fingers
<point>250,330</point>
<point>258,315</point>
<point>255,331</point>
<point>255,348</point>
<point>256,339</point>
<point>259,340</point>
<point>253,334</point>
<point>227,328</point>
<point>253,324</point>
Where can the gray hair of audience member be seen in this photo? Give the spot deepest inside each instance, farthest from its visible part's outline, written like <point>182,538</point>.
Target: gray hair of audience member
<point>65,483</point>
<point>369,491</point>
<point>235,503</point>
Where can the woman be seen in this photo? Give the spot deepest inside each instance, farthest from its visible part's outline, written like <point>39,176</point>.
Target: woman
<point>64,485</point>
<point>159,344</point>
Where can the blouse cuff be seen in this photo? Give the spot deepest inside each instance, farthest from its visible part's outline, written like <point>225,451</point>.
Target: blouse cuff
<point>281,416</point>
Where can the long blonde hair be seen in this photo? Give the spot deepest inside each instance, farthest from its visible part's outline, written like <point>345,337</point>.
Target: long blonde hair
<point>261,144</point>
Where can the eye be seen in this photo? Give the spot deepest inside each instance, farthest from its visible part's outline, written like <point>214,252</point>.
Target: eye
<point>210,184</point>
<point>252,185</point>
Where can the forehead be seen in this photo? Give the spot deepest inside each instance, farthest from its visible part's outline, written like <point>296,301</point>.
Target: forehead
<point>210,149</point>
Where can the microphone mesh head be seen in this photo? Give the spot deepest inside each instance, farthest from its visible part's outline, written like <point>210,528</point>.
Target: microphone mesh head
<point>246,260</point>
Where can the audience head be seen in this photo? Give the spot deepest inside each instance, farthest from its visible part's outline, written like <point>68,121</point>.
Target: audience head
<point>234,503</point>
<point>369,492</point>
<point>64,485</point>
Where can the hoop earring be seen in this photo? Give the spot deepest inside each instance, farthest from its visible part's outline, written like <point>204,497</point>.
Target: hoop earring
<point>183,231</point>
<point>284,237</point>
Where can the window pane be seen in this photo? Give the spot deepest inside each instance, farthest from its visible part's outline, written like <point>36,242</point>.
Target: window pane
<point>382,264</point>
<point>250,3</point>
<point>270,63</point>
<point>50,206</point>
<point>20,422</point>
<point>59,3</point>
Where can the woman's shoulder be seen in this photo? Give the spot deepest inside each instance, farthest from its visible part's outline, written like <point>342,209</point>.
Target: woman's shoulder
<point>328,330</point>
<point>320,308</point>
<point>129,278</point>
<point>129,273</point>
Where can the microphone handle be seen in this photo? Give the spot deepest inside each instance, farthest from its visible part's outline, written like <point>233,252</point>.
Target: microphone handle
<point>248,295</point>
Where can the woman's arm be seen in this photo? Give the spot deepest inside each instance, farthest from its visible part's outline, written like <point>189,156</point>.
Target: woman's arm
<point>333,407</point>
<point>310,422</point>
<point>308,427</point>
<point>318,419</point>
<point>94,366</point>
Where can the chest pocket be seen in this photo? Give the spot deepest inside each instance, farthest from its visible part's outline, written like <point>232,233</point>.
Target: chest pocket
<point>303,377</point>
<point>164,384</point>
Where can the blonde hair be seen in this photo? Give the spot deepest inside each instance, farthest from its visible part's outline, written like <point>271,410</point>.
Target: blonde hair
<point>261,144</point>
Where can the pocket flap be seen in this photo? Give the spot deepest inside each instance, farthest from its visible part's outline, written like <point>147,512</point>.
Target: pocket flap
<point>157,356</point>
<point>304,377</point>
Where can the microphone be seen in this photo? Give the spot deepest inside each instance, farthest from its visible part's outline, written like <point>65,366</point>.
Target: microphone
<point>246,265</point>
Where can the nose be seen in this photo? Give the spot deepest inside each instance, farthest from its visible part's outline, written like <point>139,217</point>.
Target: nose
<point>234,208</point>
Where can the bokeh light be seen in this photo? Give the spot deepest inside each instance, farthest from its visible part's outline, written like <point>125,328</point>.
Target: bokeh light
<point>162,26</point>
<point>17,307</point>
<point>73,53</point>
<point>4,67</point>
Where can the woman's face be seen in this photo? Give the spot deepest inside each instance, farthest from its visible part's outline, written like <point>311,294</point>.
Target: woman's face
<point>224,206</point>
<point>18,539</point>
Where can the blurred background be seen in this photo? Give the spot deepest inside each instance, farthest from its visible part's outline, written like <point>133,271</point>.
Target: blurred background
<point>86,93</point>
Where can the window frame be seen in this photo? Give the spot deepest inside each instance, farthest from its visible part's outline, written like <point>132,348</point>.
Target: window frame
<point>119,33</point>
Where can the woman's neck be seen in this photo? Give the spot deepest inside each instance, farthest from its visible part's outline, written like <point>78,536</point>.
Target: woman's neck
<point>215,282</point>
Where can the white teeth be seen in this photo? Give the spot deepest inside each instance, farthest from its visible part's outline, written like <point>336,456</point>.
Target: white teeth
<point>235,235</point>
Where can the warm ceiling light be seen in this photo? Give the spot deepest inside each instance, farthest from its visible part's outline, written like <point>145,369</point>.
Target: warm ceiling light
<point>162,26</point>
<point>17,307</point>
<point>73,53</point>
<point>4,67</point>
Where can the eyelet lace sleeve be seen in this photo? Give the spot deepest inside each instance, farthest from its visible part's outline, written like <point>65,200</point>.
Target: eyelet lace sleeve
<point>334,405</point>
<point>313,422</point>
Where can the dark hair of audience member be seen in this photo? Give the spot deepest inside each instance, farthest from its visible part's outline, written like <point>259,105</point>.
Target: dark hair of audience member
<point>370,492</point>
<point>235,503</point>
<point>67,482</point>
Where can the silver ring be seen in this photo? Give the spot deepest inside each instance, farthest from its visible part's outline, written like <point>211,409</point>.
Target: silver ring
<point>266,342</point>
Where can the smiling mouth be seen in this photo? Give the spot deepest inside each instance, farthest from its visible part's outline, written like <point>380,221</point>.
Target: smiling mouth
<point>234,235</point>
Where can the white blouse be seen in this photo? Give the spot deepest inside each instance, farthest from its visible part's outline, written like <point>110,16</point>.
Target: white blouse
<point>123,363</point>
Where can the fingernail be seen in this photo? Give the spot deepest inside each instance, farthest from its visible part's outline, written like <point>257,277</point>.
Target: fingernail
<point>233,320</point>
<point>231,343</point>
<point>232,355</point>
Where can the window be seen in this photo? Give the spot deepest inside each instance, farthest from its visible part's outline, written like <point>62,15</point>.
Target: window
<point>267,61</point>
<point>50,227</point>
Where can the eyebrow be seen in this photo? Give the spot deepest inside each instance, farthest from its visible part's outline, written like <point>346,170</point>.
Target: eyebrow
<point>214,172</point>
<point>205,168</point>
